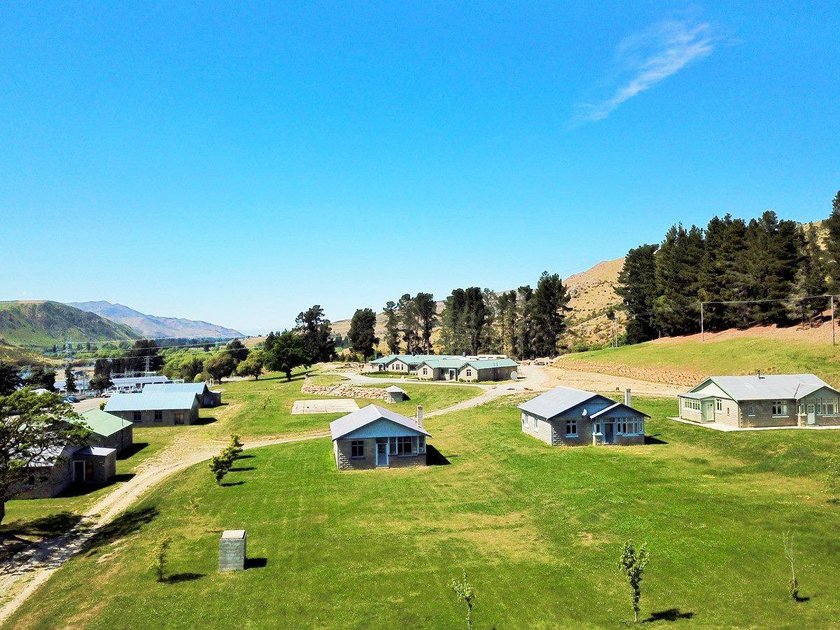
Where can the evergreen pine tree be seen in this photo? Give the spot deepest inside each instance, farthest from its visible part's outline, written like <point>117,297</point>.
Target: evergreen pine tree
<point>637,290</point>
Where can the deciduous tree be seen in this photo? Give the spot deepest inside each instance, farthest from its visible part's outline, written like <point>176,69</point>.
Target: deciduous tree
<point>31,427</point>
<point>286,353</point>
<point>632,564</point>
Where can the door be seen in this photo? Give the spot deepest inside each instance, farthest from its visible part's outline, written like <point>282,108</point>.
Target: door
<point>812,414</point>
<point>609,433</point>
<point>451,375</point>
<point>708,414</point>
<point>382,453</point>
<point>79,471</point>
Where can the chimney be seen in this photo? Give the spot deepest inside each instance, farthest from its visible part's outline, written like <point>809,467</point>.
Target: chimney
<point>420,416</point>
<point>627,398</point>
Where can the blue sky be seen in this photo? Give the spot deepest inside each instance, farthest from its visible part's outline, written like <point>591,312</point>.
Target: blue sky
<point>238,162</point>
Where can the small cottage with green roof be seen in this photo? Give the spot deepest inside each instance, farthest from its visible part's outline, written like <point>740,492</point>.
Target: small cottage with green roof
<point>108,430</point>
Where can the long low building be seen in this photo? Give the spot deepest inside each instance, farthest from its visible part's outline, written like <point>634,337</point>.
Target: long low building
<point>441,367</point>
<point>206,396</point>
<point>154,409</point>
<point>773,400</point>
<point>59,468</point>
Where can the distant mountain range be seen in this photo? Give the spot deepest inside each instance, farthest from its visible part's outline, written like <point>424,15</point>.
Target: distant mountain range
<point>44,323</point>
<point>154,326</point>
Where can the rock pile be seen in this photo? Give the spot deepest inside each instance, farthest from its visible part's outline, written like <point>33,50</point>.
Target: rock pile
<point>345,391</point>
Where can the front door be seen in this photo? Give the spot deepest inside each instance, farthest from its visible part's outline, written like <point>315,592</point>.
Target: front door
<point>382,453</point>
<point>812,414</point>
<point>708,413</point>
<point>451,375</point>
<point>609,433</point>
<point>79,471</point>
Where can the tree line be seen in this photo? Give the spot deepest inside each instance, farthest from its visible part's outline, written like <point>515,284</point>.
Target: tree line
<point>523,323</point>
<point>762,271</point>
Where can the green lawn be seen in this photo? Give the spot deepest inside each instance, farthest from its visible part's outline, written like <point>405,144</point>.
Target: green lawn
<point>728,356</point>
<point>254,409</point>
<point>538,530</point>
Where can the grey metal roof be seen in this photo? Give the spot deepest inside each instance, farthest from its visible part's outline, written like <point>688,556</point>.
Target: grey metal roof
<point>132,381</point>
<point>556,401</point>
<point>150,401</point>
<point>768,387</point>
<point>364,416</point>
<point>196,388</point>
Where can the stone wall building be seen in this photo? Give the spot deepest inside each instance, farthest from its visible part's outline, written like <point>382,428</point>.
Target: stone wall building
<point>773,400</point>
<point>375,437</point>
<point>155,409</point>
<point>572,417</point>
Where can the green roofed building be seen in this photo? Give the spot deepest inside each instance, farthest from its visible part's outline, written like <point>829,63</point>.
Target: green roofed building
<point>108,430</point>
<point>441,367</point>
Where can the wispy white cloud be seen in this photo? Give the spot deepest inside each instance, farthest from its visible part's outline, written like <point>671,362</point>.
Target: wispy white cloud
<point>645,59</point>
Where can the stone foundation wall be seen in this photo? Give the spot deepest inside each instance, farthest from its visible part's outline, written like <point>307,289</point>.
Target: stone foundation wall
<point>346,391</point>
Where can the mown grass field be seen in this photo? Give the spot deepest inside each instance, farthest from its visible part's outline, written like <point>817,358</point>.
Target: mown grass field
<point>727,356</point>
<point>538,530</point>
<point>253,409</point>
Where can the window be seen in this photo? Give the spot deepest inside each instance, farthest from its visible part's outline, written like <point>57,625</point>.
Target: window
<point>718,405</point>
<point>630,426</point>
<point>469,372</point>
<point>421,444</point>
<point>779,408</point>
<point>571,428</point>
<point>524,418</point>
<point>425,371</point>
<point>357,449</point>
<point>158,416</point>
<point>693,405</point>
<point>826,406</point>
<point>404,445</point>
<point>138,416</point>
<point>751,410</point>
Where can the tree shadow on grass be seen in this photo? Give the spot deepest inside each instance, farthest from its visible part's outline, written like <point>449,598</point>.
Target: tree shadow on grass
<point>132,450</point>
<point>242,469</point>
<point>246,456</point>
<point>799,599</point>
<point>652,439</point>
<point>175,578</point>
<point>672,614</point>
<point>434,457</point>
<point>256,563</point>
<point>21,535</point>
<point>203,421</point>
<point>124,525</point>
<point>229,484</point>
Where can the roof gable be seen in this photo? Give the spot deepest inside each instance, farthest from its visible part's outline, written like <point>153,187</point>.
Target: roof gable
<point>558,400</point>
<point>104,423</point>
<point>368,415</point>
<point>768,387</point>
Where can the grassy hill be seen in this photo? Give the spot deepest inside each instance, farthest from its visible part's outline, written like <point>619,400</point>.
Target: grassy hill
<point>43,323</point>
<point>685,360</point>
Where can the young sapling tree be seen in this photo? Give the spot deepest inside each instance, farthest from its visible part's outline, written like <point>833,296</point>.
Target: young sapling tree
<point>632,564</point>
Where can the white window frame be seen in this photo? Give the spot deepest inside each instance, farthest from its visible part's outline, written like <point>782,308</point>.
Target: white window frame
<point>718,404</point>
<point>779,408</point>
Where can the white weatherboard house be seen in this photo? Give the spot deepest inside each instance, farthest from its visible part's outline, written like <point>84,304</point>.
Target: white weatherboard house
<point>773,400</point>
<point>442,367</point>
<point>375,437</point>
<point>567,417</point>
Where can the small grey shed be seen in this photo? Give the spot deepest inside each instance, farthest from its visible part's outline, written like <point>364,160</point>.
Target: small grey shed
<point>396,394</point>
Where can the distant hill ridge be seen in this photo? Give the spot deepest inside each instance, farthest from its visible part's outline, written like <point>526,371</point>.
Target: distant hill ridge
<point>154,326</point>
<point>44,323</point>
